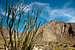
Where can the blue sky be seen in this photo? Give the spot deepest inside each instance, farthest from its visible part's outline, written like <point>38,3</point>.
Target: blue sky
<point>57,10</point>
<point>52,3</point>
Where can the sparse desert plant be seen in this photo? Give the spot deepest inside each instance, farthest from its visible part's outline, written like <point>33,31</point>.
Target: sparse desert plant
<point>16,40</point>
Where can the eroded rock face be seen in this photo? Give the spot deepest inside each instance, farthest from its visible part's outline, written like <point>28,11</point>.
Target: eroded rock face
<point>51,31</point>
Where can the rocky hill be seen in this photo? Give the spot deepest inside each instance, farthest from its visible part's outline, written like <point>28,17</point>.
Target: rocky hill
<point>55,34</point>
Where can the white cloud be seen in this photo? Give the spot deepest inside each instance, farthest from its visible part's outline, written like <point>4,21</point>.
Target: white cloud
<point>63,12</point>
